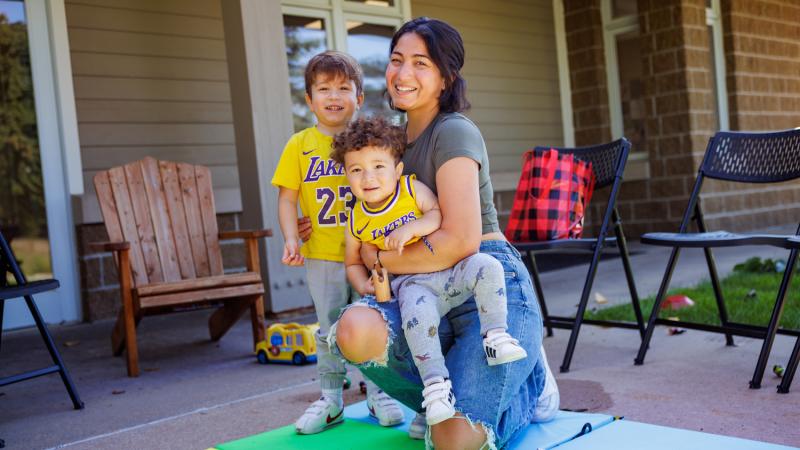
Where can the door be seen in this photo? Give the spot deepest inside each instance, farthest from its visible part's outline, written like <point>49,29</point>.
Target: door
<point>34,198</point>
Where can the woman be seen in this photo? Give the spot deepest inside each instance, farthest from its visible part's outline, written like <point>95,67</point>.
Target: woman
<point>446,151</point>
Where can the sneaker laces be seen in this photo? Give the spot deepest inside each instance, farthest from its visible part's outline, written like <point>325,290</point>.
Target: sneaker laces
<point>319,406</point>
<point>436,391</point>
<point>381,398</point>
<point>498,339</point>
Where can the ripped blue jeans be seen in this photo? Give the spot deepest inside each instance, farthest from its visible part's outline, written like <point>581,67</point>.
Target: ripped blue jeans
<point>502,398</point>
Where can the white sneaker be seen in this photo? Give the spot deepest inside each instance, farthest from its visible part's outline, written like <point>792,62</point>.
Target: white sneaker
<point>418,427</point>
<point>501,348</point>
<point>384,408</point>
<point>323,413</point>
<point>439,402</point>
<point>549,400</point>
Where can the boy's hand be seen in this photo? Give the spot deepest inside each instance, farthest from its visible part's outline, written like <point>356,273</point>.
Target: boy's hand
<point>367,288</point>
<point>304,228</point>
<point>291,253</point>
<point>398,238</point>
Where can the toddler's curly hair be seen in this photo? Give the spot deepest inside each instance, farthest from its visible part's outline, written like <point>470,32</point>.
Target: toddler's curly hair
<point>375,131</point>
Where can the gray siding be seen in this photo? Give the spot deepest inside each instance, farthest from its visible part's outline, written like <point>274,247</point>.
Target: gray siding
<point>151,78</point>
<point>511,72</point>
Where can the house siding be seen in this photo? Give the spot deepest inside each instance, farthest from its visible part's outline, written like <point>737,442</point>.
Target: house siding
<point>151,79</point>
<point>511,72</point>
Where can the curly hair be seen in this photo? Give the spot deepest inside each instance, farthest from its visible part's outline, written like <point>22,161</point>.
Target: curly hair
<point>375,131</point>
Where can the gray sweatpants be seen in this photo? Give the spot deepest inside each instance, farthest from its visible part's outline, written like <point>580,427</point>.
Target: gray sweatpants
<point>330,292</point>
<point>425,298</point>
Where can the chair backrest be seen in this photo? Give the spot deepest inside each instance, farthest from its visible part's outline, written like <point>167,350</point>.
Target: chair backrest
<point>8,264</point>
<point>753,157</point>
<point>608,160</point>
<point>166,211</point>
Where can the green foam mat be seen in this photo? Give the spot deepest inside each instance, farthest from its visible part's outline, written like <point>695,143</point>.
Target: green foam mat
<point>352,434</point>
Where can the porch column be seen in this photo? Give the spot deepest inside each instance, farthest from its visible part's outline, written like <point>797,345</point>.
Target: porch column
<point>259,81</point>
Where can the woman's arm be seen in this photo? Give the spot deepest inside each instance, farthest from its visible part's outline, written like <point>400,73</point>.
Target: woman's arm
<point>460,233</point>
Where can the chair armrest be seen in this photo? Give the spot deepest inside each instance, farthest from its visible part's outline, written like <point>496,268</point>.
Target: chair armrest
<point>109,246</point>
<point>245,234</point>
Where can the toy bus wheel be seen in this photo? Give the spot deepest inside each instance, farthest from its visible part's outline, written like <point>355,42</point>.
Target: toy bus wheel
<point>262,357</point>
<point>298,359</point>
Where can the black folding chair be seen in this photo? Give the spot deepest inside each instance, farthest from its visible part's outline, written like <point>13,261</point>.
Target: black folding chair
<point>8,264</point>
<point>791,367</point>
<point>608,163</point>
<point>743,158</point>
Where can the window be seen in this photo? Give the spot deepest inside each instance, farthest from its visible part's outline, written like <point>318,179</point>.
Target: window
<point>288,341</point>
<point>624,72</point>
<point>299,340</point>
<point>362,28</point>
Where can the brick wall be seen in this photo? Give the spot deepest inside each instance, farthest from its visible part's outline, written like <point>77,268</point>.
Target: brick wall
<point>99,279</point>
<point>762,49</point>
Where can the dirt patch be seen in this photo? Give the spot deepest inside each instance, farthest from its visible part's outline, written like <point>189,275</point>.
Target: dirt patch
<point>584,396</point>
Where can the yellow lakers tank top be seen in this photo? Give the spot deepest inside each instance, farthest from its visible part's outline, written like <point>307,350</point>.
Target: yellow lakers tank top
<point>373,225</point>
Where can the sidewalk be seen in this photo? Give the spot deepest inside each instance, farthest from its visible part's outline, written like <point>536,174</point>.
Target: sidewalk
<point>194,393</point>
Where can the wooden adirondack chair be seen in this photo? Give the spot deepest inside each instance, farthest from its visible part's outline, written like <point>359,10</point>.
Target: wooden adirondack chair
<point>162,226</point>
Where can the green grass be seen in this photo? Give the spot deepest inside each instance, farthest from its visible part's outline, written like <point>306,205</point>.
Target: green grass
<point>753,311</point>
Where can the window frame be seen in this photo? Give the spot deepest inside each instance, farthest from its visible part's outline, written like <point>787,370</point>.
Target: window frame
<point>717,48</point>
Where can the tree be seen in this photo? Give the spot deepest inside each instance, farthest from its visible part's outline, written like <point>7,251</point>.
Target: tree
<point>21,189</point>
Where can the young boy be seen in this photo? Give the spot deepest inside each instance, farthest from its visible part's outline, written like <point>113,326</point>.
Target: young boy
<point>394,210</point>
<point>333,93</point>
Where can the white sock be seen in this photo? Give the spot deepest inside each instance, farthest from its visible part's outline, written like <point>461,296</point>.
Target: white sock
<point>494,331</point>
<point>333,394</point>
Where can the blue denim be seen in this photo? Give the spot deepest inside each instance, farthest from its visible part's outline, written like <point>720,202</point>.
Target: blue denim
<point>501,397</point>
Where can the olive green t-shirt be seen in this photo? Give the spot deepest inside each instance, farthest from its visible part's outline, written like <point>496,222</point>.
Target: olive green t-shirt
<point>449,136</point>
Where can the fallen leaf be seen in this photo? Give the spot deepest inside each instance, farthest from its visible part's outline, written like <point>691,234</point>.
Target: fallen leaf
<point>777,369</point>
<point>71,343</point>
<point>600,298</point>
<point>751,294</point>
<point>151,369</point>
<point>673,331</point>
<point>117,392</point>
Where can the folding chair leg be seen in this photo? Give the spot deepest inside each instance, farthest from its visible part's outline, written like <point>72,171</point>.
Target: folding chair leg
<point>626,264</point>
<point>662,292</point>
<point>774,320</point>
<point>788,374</point>
<point>587,289</point>
<point>712,271</point>
<point>530,262</point>
<point>717,288</point>
<point>2,307</point>
<point>54,354</point>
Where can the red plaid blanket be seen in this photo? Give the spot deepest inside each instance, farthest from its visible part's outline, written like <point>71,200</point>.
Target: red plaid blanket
<point>551,197</point>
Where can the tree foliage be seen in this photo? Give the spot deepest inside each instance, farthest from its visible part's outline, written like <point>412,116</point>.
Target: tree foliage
<point>21,189</point>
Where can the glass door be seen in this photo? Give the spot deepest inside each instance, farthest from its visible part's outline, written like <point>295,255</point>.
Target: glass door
<point>35,212</point>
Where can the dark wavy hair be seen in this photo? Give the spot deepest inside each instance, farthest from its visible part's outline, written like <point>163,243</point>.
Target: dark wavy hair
<point>375,131</point>
<point>332,64</point>
<point>446,49</point>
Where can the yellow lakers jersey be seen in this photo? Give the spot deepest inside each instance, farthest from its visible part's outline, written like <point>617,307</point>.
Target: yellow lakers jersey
<point>325,196</point>
<point>373,225</point>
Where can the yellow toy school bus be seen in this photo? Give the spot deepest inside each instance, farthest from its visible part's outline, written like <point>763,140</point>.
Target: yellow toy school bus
<point>289,343</point>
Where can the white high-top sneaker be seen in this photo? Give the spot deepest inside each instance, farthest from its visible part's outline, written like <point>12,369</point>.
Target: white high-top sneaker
<point>549,400</point>
<point>501,348</point>
<point>439,401</point>
<point>323,413</point>
<point>384,408</point>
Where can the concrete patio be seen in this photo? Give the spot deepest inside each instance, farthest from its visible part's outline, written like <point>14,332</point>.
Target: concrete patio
<point>194,393</point>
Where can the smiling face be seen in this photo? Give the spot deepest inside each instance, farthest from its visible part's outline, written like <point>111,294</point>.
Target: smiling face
<point>412,79</point>
<point>333,101</point>
<point>372,174</point>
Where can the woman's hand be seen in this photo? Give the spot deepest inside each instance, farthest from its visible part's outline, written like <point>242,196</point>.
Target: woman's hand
<point>304,228</point>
